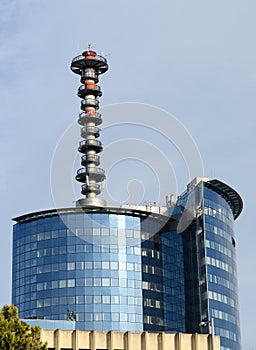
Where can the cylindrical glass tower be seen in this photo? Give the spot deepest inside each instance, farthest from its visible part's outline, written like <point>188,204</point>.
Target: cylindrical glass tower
<point>221,270</point>
<point>209,252</point>
<point>83,265</point>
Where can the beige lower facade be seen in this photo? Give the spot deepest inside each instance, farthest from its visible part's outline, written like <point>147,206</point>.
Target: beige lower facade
<point>96,340</point>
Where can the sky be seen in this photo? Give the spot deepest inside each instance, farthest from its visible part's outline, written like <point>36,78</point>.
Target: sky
<point>195,60</point>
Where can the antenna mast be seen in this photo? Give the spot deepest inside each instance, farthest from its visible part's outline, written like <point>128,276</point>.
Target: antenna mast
<point>89,66</point>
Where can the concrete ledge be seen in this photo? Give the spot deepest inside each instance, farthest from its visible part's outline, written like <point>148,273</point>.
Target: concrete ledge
<point>96,340</point>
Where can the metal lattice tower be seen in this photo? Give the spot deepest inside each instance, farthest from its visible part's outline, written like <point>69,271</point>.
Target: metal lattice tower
<point>89,66</point>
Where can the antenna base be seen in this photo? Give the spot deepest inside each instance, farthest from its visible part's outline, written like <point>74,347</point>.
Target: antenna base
<point>91,202</point>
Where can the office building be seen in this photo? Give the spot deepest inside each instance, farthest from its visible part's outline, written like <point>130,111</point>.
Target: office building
<point>129,269</point>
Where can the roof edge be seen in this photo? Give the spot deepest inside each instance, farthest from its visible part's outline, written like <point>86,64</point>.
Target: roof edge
<point>229,194</point>
<point>74,210</point>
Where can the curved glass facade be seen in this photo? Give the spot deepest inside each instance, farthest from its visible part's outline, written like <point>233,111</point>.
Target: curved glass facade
<point>220,260</point>
<point>87,264</point>
<point>210,274</point>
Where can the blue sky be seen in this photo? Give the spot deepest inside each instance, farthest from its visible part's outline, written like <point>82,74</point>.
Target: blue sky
<point>194,59</point>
